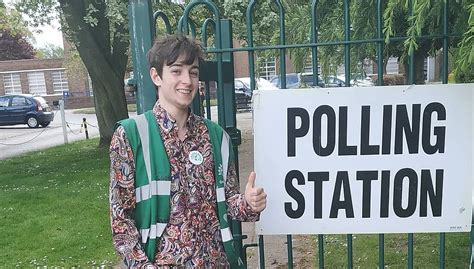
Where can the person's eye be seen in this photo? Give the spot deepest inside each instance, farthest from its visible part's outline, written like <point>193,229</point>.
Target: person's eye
<point>175,71</point>
<point>194,74</point>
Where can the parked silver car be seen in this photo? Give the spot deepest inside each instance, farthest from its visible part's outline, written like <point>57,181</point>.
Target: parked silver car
<point>298,80</point>
<point>243,92</point>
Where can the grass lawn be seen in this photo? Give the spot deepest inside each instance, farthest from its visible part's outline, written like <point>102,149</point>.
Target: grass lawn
<point>425,250</point>
<point>54,208</point>
<point>91,110</point>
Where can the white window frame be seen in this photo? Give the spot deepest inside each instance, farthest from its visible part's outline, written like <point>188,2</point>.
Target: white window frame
<point>392,66</point>
<point>60,81</point>
<point>37,83</point>
<point>267,68</point>
<point>308,65</point>
<point>12,83</point>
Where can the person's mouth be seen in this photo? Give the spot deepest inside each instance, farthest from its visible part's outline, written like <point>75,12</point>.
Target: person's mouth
<point>185,91</point>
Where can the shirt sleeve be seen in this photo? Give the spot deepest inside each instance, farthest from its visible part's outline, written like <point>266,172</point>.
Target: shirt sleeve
<point>125,236</point>
<point>237,207</point>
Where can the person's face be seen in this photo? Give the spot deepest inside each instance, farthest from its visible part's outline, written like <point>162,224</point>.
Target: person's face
<point>178,84</point>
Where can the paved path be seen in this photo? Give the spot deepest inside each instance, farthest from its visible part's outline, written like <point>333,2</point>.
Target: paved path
<point>19,139</point>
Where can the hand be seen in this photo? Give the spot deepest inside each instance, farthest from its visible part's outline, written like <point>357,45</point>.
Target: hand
<point>256,198</point>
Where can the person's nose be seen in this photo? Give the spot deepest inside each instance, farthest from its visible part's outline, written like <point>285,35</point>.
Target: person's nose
<point>186,78</point>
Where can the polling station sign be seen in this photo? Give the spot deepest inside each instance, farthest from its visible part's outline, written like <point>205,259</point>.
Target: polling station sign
<point>365,160</point>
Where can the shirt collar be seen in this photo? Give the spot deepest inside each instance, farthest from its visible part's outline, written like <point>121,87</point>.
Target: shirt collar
<point>168,123</point>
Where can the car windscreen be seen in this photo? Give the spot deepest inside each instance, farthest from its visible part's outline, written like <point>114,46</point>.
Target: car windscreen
<point>291,79</point>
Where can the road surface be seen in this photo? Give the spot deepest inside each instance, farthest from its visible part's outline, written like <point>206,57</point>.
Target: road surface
<point>18,139</point>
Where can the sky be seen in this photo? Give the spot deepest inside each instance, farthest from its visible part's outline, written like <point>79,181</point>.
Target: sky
<point>50,34</point>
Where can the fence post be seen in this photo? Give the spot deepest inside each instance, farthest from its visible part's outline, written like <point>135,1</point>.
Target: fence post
<point>444,72</point>
<point>63,120</point>
<point>84,124</point>
<point>140,25</point>
<point>347,46</point>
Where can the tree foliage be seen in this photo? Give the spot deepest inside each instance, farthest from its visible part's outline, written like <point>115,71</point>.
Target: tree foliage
<point>464,58</point>
<point>264,21</point>
<point>14,47</point>
<point>424,18</point>
<point>400,19</point>
<point>50,51</point>
<point>99,31</point>
<point>173,12</point>
<point>14,36</point>
<point>12,20</point>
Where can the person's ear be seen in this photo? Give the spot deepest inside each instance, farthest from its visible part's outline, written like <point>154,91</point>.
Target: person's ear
<point>155,77</point>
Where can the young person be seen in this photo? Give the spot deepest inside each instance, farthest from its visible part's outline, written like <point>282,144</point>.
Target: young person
<point>173,179</point>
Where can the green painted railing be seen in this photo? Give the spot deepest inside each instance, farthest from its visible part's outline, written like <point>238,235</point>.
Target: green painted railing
<point>166,21</point>
<point>379,41</point>
<point>137,18</point>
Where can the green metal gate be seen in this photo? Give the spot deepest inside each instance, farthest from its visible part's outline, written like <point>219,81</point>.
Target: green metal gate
<point>221,69</point>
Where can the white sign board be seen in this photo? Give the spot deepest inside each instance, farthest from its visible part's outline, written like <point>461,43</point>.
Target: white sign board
<point>365,160</point>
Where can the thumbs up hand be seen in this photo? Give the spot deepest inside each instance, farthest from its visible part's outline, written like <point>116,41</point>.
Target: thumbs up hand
<point>255,197</point>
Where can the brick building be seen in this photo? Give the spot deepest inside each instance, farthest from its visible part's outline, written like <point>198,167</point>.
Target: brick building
<point>263,69</point>
<point>47,78</point>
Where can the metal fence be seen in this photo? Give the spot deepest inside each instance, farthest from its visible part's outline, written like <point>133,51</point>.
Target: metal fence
<point>221,70</point>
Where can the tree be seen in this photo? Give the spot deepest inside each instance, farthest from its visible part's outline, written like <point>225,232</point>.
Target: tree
<point>425,18</point>
<point>464,59</point>
<point>14,47</point>
<point>13,21</point>
<point>99,31</point>
<point>14,36</point>
<point>263,24</point>
<point>50,51</point>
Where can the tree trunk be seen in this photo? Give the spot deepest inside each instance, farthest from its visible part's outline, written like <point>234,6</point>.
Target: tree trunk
<point>105,59</point>
<point>418,65</point>
<point>110,105</point>
<point>384,65</point>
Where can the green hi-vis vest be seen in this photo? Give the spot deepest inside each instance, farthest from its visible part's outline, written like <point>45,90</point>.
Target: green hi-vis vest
<point>153,181</point>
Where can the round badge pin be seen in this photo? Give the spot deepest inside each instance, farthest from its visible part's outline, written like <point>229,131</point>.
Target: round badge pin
<point>195,157</point>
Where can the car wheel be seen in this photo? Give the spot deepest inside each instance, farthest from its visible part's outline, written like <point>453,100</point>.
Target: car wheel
<point>45,124</point>
<point>32,121</point>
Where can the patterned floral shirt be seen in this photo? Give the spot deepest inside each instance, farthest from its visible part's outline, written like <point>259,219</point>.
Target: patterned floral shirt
<point>192,237</point>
